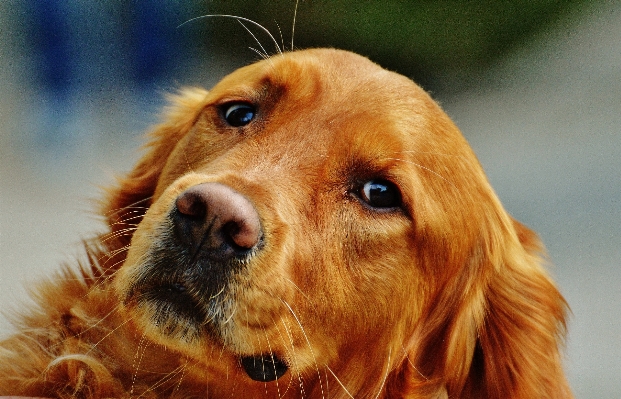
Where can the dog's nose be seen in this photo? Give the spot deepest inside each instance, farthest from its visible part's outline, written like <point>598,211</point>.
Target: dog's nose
<point>216,221</point>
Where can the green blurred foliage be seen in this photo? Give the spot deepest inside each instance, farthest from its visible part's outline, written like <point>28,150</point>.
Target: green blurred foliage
<point>423,39</point>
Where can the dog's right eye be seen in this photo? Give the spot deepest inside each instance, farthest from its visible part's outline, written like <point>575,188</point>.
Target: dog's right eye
<point>239,114</point>
<point>380,194</point>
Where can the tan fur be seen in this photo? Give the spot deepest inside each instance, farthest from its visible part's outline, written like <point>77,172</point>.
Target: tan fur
<point>445,297</point>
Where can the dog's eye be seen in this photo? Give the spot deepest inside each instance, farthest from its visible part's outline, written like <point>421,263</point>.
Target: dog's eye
<point>380,194</point>
<point>239,114</point>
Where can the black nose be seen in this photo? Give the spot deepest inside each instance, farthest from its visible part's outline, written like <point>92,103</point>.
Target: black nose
<point>217,222</point>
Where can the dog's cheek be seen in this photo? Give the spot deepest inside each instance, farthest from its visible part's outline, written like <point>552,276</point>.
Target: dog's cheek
<point>377,270</point>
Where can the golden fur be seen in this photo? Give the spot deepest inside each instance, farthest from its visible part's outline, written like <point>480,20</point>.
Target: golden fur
<point>437,293</point>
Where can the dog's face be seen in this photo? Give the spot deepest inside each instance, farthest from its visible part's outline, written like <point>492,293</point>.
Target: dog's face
<point>314,217</point>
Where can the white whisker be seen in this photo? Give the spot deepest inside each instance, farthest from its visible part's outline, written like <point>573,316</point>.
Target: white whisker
<point>239,19</point>
<point>107,335</point>
<point>133,205</point>
<point>340,383</point>
<point>183,368</point>
<point>385,375</point>
<point>282,40</point>
<point>263,54</point>
<point>407,357</point>
<point>295,14</point>
<point>233,311</point>
<point>308,343</point>
<point>116,308</point>
<point>424,168</point>
<point>298,289</point>
<point>138,356</point>
<point>265,57</point>
<point>166,378</point>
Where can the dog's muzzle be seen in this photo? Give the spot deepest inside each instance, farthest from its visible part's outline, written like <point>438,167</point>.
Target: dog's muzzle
<point>209,235</point>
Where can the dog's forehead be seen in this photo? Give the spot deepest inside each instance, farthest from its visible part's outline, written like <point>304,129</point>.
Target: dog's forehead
<point>333,73</point>
<point>323,101</point>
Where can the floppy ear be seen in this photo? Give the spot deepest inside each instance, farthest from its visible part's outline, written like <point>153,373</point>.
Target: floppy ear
<point>127,202</point>
<point>522,329</point>
<point>495,331</point>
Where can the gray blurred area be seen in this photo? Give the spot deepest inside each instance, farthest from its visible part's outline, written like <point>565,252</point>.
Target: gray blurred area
<point>545,122</point>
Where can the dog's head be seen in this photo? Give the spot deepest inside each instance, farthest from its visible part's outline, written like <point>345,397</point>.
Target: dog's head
<point>318,220</point>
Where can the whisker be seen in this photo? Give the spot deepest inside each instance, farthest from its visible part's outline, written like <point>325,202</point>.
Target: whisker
<point>138,216</point>
<point>298,289</point>
<point>282,39</point>
<point>118,251</point>
<point>407,357</point>
<point>117,234</point>
<point>183,368</point>
<point>292,352</point>
<point>137,361</point>
<point>310,347</point>
<point>214,296</point>
<point>295,14</point>
<point>258,52</point>
<point>424,168</point>
<point>263,55</point>
<point>239,19</point>
<point>107,335</point>
<point>133,205</point>
<point>340,383</point>
<point>116,308</point>
<point>385,375</point>
<point>228,319</point>
<point>105,268</point>
<point>271,352</point>
<point>169,376</point>
<point>287,338</point>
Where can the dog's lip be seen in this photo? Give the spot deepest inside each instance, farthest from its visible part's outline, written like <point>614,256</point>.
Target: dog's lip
<point>264,368</point>
<point>176,294</point>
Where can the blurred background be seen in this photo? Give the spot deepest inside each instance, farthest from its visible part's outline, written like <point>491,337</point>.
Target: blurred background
<point>535,87</point>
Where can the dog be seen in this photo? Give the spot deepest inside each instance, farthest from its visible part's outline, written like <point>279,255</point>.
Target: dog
<point>314,226</point>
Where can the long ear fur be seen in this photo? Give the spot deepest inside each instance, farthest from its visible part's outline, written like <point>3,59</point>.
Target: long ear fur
<point>127,202</point>
<point>517,351</point>
<point>495,332</point>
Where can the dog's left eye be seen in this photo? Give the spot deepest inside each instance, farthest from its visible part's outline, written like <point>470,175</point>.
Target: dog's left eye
<point>239,114</point>
<point>380,194</point>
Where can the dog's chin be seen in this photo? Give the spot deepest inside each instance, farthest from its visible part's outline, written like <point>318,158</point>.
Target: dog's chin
<point>171,315</point>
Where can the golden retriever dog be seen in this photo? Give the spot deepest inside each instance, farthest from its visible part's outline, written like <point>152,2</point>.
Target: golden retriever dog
<point>314,226</point>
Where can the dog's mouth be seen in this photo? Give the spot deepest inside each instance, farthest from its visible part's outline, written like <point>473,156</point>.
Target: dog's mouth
<point>178,298</point>
<point>179,313</point>
<point>264,368</point>
<point>174,307</point>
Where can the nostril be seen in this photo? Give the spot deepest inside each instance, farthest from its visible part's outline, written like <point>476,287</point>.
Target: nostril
<point>242,235</point>
<point>192,204</point>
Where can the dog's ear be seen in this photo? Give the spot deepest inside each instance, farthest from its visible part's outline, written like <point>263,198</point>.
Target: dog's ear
<point>517,353</point>
<point>502,338</point>
<point>518,326</point>
<point>126,203</point>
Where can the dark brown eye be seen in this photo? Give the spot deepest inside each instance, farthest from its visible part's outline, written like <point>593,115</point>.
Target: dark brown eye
<point>239,114</point>
<point>380,194</point>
